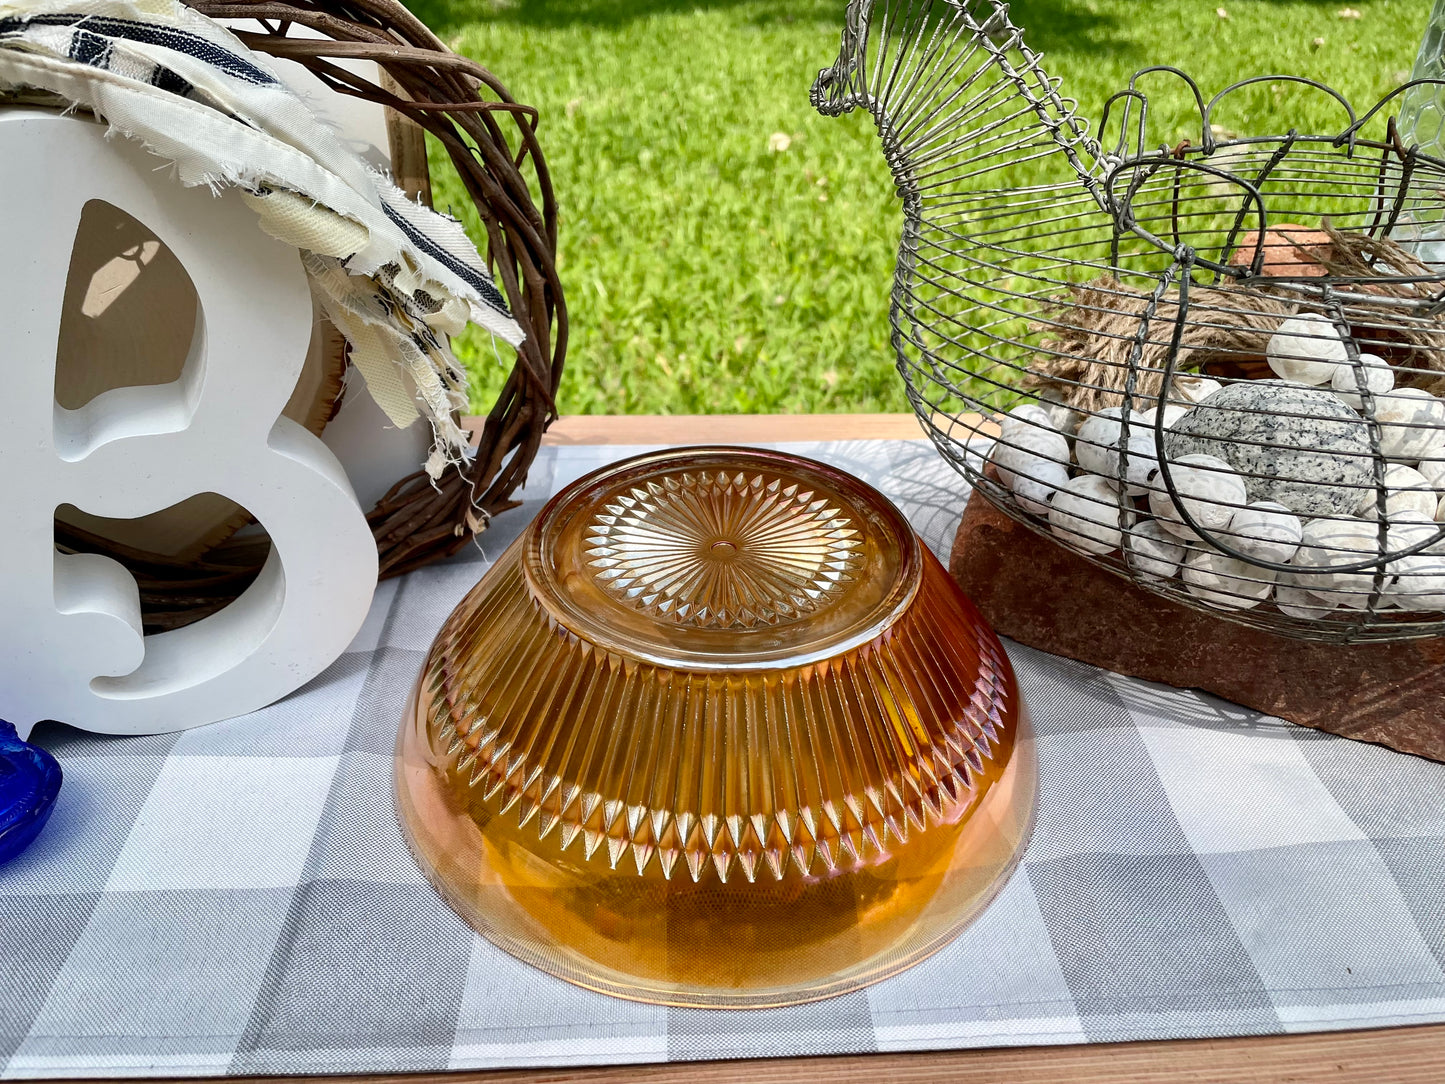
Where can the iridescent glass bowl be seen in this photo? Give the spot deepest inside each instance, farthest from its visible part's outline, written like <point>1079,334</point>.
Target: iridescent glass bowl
<point>717,730</point>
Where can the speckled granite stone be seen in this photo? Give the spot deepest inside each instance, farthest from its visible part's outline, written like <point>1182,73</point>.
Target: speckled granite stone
<point>1299,446</point>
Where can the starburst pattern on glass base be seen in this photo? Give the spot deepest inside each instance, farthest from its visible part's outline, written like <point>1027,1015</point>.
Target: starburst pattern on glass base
<point>723,550</point>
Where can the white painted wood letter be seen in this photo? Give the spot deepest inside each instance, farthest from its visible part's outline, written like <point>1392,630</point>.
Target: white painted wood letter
<point>71,646</point>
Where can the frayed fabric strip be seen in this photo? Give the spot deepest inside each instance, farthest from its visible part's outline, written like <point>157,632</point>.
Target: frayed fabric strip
<point>394,276</point>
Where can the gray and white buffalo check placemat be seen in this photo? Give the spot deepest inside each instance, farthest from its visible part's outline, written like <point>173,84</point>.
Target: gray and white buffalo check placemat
<point>238,899</point>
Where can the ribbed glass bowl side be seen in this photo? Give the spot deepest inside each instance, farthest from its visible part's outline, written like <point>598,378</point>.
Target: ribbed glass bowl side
<point>715,839</point>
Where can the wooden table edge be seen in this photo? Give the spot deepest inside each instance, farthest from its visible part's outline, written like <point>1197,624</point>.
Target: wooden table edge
<point>1400,1055</point>
<point>573,429</point>
<point>1403,1055</point>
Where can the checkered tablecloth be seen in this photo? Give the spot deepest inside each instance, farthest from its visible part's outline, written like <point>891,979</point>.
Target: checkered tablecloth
<point>238,899</point>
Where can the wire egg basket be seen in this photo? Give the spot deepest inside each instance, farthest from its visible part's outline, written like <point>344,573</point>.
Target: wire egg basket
<point>1212,368</point>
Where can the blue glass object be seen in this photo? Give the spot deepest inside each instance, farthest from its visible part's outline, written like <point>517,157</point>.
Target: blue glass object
<point>29,782</point>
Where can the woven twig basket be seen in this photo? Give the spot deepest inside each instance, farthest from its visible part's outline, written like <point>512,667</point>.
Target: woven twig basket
<point>492,142</point>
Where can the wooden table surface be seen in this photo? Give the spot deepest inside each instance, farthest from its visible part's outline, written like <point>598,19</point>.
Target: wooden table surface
<point>728,428</point>
<point>1413,1055</point>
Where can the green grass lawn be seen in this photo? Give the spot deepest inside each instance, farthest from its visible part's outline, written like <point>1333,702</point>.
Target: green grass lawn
<point>726,249</point>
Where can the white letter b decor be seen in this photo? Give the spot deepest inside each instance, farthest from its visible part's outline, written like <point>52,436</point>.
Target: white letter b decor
<point>71,643</point>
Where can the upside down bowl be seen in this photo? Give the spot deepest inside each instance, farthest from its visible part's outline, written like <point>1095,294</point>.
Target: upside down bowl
<point>717,730</point>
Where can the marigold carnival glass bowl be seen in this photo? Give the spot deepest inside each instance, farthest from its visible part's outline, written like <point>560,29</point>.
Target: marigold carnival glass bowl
<point>719,731</point>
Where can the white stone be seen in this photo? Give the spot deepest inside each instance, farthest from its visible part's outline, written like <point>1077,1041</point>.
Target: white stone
<point>1172,413</point>
<point>1025,450</point>
<point>1152,552</point>
<point>1210,489</point>
<point>1379,378</point>
<point>1027,414</point>
<point>1096,444</point>
<point>1306,348</point>
<point>1419,582</point>
<point>1064,417</point>
<point>1193,389</point>
<point>1294,601</point>
<point>1433,471</point>
<point>1034,489</point>
<point>1224,583</point>
<point>1406,490</point>
<point>1086,513</point>
<point>1420,585</point>
<point>1032,478</point>
<point>1412,425</point>
<point>1409,528</point>
<point>1330,544</point>
<point>1265,531</point>
<point>1141,462</point>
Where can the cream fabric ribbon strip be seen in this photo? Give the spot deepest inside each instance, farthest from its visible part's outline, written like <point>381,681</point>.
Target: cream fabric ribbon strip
<point>394,277</point>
